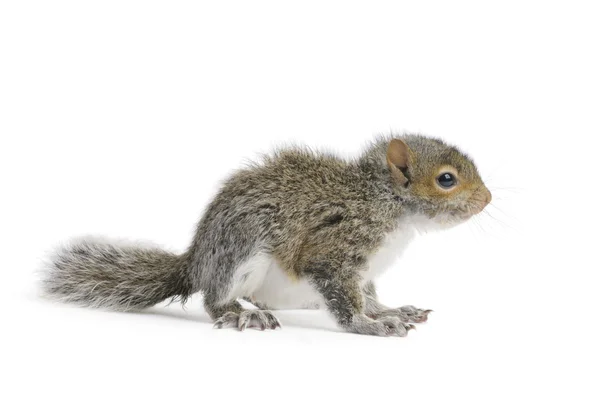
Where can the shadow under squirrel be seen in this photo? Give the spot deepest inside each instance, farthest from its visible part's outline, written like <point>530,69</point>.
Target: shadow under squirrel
<point>301,229</point>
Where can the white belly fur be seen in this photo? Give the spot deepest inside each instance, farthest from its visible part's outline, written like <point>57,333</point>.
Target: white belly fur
<point>250,276</point>
<point>278,291</point>
<point>393,246</point>
<point>262,278</point>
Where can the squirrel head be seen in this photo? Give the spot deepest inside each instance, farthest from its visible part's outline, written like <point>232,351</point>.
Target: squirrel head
<point>438,179</point>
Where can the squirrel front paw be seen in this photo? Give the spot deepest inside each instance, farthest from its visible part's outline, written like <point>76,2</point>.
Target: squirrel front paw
<point>408,313</point>
<point>385,326</point>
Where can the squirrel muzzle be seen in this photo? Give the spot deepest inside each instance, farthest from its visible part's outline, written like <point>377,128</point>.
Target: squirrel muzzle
<point>480,199</point>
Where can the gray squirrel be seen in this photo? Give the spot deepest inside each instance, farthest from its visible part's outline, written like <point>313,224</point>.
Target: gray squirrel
<point>300,229</point>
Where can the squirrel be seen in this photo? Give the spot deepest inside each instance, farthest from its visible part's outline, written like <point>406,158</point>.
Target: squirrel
<point>299,229</point>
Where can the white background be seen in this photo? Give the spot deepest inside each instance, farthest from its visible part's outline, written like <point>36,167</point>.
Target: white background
<point>120,118</point>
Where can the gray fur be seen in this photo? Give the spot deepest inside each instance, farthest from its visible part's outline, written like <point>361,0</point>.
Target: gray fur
<point>319,216</point>
<point>261,319</point>
<point>374,309</point>
<point>120,276</point>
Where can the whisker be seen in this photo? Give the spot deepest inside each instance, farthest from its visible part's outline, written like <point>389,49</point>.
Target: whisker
<point>500,210</point>
<point>510,189</point>
<point>504,224</point>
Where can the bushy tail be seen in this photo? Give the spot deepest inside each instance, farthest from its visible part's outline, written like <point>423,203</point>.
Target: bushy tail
<point>96,273</point>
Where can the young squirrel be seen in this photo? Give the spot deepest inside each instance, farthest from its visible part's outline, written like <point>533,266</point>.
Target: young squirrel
<point>300,230</point>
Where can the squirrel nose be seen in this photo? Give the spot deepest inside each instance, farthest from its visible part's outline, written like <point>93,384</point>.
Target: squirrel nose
<point>487,196</point>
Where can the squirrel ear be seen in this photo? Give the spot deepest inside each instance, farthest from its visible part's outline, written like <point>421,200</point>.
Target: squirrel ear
<point>398,159</point>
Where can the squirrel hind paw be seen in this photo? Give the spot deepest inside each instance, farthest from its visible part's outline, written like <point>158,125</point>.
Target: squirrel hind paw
<point>228,320</point>
<point>258,319</point>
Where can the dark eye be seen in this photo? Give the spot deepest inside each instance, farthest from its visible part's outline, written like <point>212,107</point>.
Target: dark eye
<point>446,180</point>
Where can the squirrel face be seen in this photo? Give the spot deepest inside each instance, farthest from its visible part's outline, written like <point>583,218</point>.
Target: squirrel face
<point>442,181</point>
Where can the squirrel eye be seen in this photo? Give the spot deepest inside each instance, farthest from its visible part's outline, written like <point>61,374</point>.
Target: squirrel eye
<point>446,180</point>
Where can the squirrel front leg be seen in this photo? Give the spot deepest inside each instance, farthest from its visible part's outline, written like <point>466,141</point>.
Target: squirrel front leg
<point>340,288</point>
<point>374,309</point>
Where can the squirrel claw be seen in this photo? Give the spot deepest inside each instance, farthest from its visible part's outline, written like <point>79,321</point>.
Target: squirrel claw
<point>259,319</point>
<point>228,319</point>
